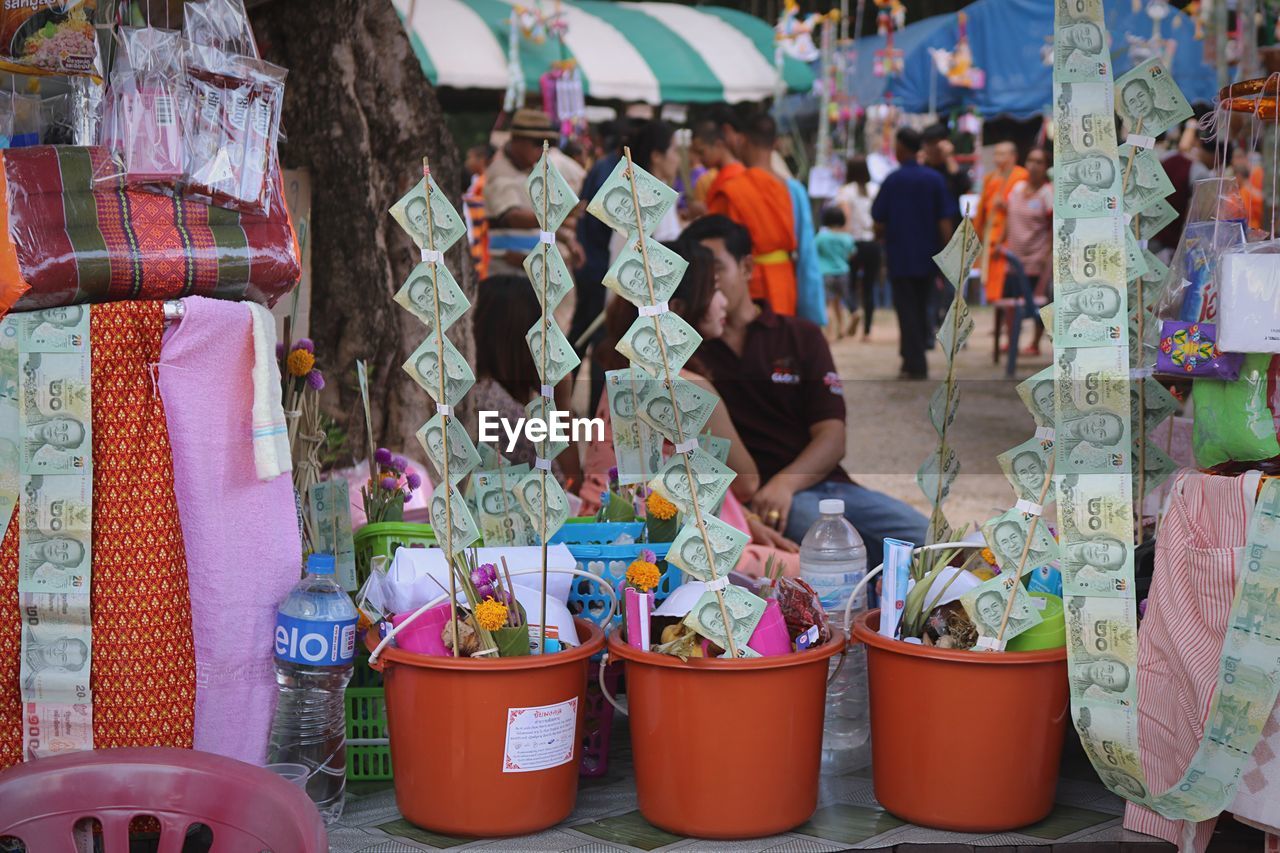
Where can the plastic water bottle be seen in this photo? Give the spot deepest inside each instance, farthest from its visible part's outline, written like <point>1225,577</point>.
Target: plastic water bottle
<point>833,561</point>
<point>315,646</point>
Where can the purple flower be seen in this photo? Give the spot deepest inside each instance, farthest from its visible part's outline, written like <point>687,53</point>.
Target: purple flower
<point>279,350</point>
<point>484,591</point>
<point>383,456</point>
<point>316,380</point>
<point>389,483</point>
<point>613,474</point>
<point>484,574</point>
<point>306,344</point>
<point>413,480</point>
<point>649,556</point>
<point>399,463</point>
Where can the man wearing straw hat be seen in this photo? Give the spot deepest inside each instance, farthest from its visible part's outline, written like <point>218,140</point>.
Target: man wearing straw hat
<point>513,226</point>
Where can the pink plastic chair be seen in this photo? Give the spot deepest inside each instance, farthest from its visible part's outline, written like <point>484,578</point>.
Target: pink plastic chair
<point>248,809</point>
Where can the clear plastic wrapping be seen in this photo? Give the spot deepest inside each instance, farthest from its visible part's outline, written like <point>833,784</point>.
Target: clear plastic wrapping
<point>147,99</point>
<point>75,240</point>
<point>233,126</point>
<point>1182,342</point>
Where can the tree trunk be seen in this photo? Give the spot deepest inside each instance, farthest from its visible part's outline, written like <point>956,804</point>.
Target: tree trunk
<point>360,114</point>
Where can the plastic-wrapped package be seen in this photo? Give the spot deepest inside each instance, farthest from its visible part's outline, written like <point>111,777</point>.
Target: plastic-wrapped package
<point>1216,223</point>
<point>220,24</point>
<point>232,128</point>
<point>1249,296</point>
<point>74,240</point>
<point>147,100</point>
<point>1235,420</point>
<point>49,37</point>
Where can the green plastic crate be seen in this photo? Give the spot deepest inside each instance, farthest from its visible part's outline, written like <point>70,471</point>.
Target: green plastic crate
<point>382,540</point>
<point>368,748</point>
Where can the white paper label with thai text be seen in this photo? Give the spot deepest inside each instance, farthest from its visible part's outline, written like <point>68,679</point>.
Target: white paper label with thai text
<point>540,737</point>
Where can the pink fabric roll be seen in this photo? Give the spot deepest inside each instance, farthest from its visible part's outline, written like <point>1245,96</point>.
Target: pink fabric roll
<point>243,548</point>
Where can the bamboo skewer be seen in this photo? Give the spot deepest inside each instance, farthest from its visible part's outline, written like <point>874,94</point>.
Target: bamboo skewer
<point>546,345</point>
<point>1026,550</point>
<point>444,432</point>
<point>666,368</point>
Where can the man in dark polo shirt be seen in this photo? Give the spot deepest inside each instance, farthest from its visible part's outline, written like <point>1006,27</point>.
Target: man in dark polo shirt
<point>913,214</point>
<point>780,386</point>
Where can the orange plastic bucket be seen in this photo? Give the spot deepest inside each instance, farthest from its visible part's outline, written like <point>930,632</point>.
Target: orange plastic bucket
<point>487,748</point>
<point>706,731</point>
<point>966,741</point>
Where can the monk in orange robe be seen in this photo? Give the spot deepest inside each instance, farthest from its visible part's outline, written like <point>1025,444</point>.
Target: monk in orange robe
<point>993,208</point>
<point>761,202</point>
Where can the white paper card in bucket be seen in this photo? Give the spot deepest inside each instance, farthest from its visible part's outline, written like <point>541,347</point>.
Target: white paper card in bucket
<point>540,737</point>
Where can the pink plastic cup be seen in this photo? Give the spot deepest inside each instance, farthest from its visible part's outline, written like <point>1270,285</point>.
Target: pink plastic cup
<point>771,637</point>
<point>422,636</point>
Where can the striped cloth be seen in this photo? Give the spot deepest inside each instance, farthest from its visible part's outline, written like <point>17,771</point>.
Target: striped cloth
<point>74,238</point>
<point>1205,524</point>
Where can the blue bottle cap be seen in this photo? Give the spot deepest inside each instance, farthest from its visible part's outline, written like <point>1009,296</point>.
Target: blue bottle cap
<point>320,564</point>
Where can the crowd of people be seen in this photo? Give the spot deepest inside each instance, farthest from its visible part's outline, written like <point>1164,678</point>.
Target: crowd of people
<point>763,280</point>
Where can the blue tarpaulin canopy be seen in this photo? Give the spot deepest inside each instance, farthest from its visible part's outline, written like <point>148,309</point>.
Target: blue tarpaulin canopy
<point>1007,38</point>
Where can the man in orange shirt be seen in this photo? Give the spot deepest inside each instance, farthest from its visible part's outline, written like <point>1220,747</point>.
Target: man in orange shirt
<point>758,200</point>
<point>993,208</point>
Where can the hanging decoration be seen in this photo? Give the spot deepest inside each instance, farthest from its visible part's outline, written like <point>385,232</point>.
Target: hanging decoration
<point>536,26</point>
<point>564,100</point>
<point>957,65</point>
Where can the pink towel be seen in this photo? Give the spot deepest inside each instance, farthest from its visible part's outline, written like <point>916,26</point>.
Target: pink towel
<point>243,548</point>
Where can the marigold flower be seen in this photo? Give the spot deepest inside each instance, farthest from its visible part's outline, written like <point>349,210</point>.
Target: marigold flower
<point>300,362</point>
<point>990,557</point>
<point>643,575</point>
<point>659,507</point>
<point>491,614</point>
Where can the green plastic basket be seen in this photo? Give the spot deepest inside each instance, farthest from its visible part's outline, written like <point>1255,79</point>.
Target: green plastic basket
<point>382,540</point>
<point>368,749</point>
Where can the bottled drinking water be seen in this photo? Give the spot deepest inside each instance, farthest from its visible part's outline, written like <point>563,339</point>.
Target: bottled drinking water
<point>833,561</point>
<point>314,649</point>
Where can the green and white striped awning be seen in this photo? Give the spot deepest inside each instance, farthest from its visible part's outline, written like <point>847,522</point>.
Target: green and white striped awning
<point>652,52</point>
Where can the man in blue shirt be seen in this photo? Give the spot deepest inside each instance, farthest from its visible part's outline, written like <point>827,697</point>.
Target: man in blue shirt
<point>912,214</point>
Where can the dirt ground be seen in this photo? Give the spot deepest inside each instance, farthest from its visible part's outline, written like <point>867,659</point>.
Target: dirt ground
<point>889,430</point>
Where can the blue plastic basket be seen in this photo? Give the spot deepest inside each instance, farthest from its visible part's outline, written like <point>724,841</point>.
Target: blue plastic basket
<point>589,544</point>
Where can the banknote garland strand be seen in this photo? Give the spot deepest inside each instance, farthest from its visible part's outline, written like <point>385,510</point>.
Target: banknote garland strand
<point>547,398</point>
<point>71,704</point>
<point>1249,666</point>
<point>670,385</point>
<point>961,326</point>
<point>446,415</point>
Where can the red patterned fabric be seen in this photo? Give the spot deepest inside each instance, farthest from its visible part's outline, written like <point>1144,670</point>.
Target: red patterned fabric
<point>78,238</point>
<point>143,675</point>
<point>10,649</point>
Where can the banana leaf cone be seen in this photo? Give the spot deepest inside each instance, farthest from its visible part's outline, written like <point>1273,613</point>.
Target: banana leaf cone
<point>512,642</point>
